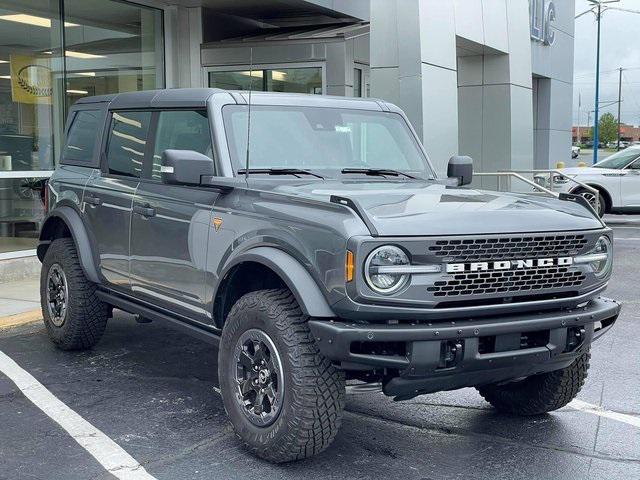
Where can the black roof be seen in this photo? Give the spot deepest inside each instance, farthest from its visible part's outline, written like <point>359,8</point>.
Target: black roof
<point>176,97</point>
<point>198,97</point>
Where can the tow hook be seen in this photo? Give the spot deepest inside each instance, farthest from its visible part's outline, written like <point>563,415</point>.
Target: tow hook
<point>450,353</point>
<point>575,337</point>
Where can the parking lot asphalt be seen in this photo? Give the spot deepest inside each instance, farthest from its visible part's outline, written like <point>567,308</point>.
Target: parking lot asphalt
<point>153,391</point>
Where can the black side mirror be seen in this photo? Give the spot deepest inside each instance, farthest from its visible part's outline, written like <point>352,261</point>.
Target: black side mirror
<point>461,168</point>
<point>185,167</point>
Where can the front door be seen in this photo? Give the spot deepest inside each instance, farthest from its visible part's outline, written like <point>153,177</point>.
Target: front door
<point>171,223</point>
<point>108,197</point>
<point>630,185</point>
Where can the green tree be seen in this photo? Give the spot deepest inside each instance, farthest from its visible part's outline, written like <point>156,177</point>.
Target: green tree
<point>608,128</point>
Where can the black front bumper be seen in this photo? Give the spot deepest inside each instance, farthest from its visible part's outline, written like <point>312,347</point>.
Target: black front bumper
<point>428,357</point>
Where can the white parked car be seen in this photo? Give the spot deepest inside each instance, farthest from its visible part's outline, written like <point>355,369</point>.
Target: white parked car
<point>617,178</point>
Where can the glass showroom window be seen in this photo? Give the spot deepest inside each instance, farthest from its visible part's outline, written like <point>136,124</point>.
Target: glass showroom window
<point>109,47</point>
<point>292,80</point>
<point>112,47</point>
<point>31,98</point>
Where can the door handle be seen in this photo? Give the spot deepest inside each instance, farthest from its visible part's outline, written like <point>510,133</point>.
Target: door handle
<point>145,210</point>
<point>92,200</point>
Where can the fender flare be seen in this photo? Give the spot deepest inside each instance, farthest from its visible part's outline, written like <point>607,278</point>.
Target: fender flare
<point>601,188</point>
<point>304,288</point>
<point>79,235</point>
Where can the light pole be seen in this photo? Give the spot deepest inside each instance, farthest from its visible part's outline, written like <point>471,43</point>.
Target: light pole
<point>619,105</point>
<point>596,134</point>
<point>598,7</point>
<point>596,126</point>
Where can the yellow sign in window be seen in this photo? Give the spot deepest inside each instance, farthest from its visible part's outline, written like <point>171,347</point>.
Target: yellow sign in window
<point>30,79</point>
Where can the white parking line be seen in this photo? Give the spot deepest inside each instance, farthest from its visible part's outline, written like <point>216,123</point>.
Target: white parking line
<point>601,412</point>
<point>107,452</point>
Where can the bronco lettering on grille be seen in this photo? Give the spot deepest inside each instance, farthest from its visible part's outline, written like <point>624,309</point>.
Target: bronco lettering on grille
<point>508,264</point>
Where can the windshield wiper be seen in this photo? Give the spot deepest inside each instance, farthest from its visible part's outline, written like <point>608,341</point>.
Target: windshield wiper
<point>279,171</point>
<point>380,172</point>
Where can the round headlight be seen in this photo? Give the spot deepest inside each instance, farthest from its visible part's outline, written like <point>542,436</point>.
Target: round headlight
<point>604,249</point>
<point>374,271</point>
<point>541,180</point>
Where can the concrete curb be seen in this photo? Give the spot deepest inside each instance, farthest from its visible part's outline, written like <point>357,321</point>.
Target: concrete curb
<point>19,269</point>
<point>19,319</point>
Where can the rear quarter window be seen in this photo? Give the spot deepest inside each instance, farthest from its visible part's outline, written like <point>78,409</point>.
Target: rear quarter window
<point>82,138</point>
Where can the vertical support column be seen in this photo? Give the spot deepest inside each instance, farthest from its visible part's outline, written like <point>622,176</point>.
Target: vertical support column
<point>495,99</point>
<point>413,64</point>
<point>186,47</point>
<point>553,88</point>
<point>339,68</point>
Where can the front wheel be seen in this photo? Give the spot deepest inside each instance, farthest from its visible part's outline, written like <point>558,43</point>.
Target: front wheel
<point>284,399</point>
<point>596,200</point>
<point>541,393</point>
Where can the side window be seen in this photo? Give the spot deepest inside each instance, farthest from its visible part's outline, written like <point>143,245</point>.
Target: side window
<point>127,142</point>
<point>181,130</point>
<point>81,140</point>
<point>635,165</point>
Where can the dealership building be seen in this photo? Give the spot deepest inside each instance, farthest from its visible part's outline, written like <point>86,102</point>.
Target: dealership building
<point>487,78</point>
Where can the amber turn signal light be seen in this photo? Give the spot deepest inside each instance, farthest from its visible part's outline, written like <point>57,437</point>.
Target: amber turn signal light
<point>348,266</point>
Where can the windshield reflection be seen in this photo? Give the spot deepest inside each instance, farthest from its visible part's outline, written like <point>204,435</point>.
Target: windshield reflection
<point>327,140</point>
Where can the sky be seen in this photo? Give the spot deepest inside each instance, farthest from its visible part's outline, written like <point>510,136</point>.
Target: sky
<point>620,47</point>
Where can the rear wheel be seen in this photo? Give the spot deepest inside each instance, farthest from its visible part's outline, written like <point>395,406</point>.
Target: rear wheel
<point>74,316</point>
<point>284,399</point>
<point>539,394</point>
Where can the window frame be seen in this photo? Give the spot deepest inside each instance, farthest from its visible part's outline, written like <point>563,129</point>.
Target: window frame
<point>147,162</point>
<point>153,129</point>
<point>628,165</point>
<point>104,161</point>
<point>73,115</point>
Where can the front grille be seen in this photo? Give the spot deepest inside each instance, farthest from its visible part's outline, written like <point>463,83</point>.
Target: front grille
<point>508,248</point>
<point>507,281</point>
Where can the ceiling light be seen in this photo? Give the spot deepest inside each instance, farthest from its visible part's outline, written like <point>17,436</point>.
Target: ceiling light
<point>71,53</point>
<point>251,73</point>
<point>33,20</point>
<point>78,92</point>
<point>278,75</point>
<point>5,77</point>
<point>4,61</point>
<point>86,74</point>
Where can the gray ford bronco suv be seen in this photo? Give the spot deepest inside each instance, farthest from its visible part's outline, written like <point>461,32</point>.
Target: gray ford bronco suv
<point>311,241</point>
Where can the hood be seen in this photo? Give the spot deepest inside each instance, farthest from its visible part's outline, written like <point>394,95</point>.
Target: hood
<point>588,171</point>
<point>397,208</point>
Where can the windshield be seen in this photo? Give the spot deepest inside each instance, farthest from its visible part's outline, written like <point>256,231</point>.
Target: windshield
<point>619,160</point>
<point>322,139</point>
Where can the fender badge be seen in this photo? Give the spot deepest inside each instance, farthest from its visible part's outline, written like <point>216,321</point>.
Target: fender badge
<point>217,223</point>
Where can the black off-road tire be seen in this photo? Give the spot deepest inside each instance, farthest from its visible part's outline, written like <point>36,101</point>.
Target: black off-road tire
<point>86,315</point>
<point>314,394</point>
<point>541,393</point>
